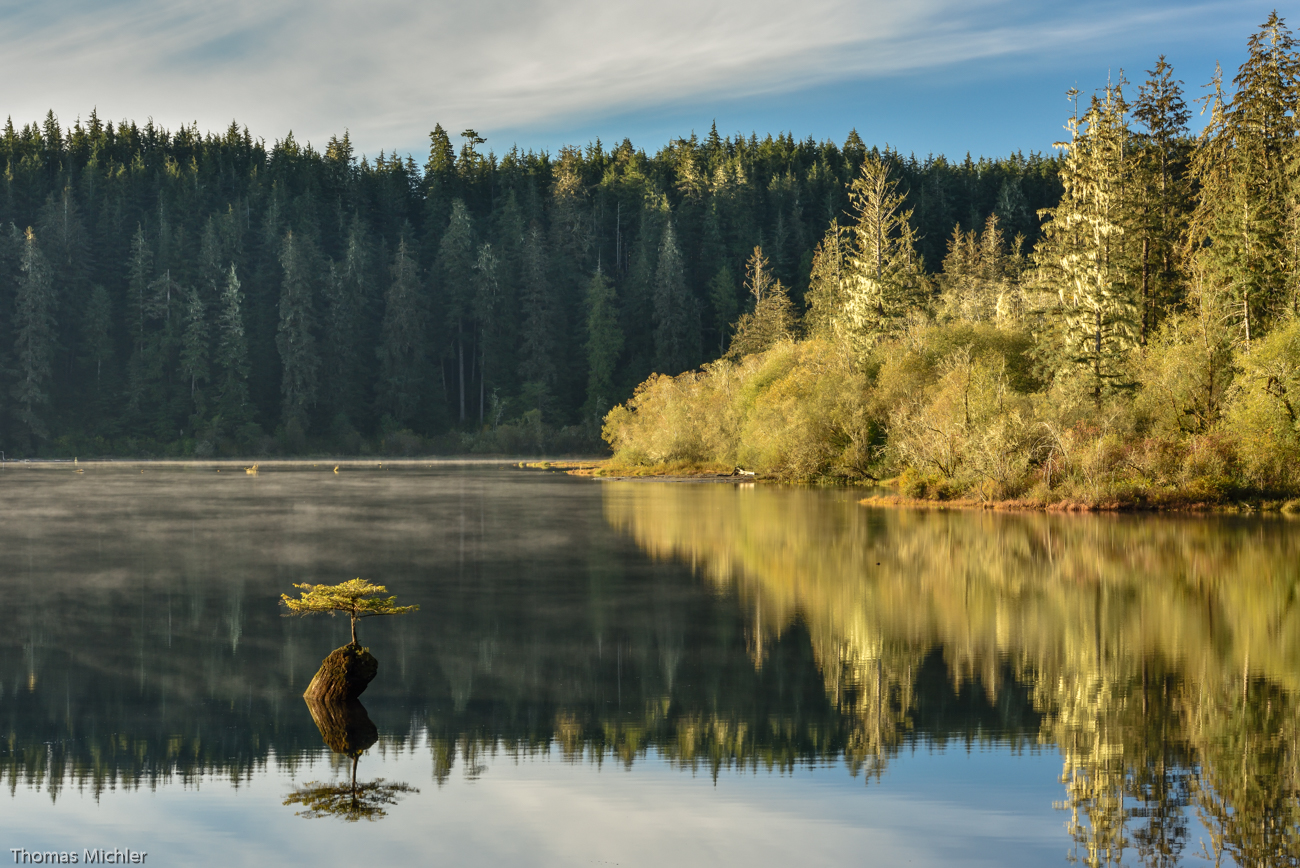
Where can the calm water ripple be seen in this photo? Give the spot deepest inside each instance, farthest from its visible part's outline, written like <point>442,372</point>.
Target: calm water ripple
<point>638,674</point>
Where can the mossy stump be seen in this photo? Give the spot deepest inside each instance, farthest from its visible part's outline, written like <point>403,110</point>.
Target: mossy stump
<point>343,675</point>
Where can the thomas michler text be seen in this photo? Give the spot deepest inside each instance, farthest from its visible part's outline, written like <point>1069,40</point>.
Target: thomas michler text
<point>72,857</point>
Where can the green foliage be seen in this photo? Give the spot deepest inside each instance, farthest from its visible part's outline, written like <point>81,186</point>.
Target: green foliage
<point>355,598</point>
<point>604,343</point>
<point>1149,359</point>
<point>772,319</point>
<point>149,215</point>
<point>883,281</point>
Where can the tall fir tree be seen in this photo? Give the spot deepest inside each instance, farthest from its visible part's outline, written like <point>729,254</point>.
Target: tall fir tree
<point>194,355</point>
<point>676,314</point>
<point>1162,196</point>
<point>455,268</point>
<point>402,349</point>
<point>1084,257</point>
<point>1244,232</point>
<point>884,282</point>
<point>231,358</point>
<point>295,337</point>
<point>33,328</point>
<point>537,337</point>
<point>604,344</point>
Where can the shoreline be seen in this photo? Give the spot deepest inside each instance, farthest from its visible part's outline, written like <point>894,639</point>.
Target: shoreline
<point>1262,505</point>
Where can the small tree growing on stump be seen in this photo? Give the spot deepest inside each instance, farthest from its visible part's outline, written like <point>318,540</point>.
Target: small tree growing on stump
<point>356,598</point>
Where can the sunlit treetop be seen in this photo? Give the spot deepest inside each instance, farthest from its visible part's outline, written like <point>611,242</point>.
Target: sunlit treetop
<point>356,598</point>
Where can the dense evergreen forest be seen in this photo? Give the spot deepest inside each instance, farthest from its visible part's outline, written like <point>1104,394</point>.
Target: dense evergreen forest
<point>180,292</point>
<point>1144,350</point>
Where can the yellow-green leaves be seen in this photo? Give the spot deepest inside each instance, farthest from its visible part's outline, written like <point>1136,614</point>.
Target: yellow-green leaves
<point>356,598</point>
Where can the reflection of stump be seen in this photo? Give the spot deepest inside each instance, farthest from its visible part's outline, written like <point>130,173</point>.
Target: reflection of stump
<point>343,675</point>
<point>345,726</point>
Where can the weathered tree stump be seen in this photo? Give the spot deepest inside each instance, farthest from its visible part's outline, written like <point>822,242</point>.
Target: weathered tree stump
<point>343,675</point>
<point>345,726</point>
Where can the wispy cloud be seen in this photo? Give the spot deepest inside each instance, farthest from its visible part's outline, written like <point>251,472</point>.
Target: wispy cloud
<point>388,68</point>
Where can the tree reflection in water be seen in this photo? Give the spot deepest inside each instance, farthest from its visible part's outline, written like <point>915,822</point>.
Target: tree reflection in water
<point>1162,655</point>
<point>347,730</point>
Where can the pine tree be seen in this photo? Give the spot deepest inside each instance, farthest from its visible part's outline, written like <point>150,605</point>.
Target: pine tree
<point>604,343</point>
<point>295,339</point>
<point>402,344</point>
<point>455,270</point>
<point>33,339</point>
<point>538,331</point>
<point>1083,255</point>
<point>1243,232</point>
<point>676,315</point>
<point>884,282</point>
<point>722,301</point>
<point>1162,197</point>
<point>772,318</point>
<point>231,360</point>
<point>97,332</point>
<point>194,345</point>
<point>826,283</point>
<point>981,277</point>
<point>488,303</point>
<point>349,326</point>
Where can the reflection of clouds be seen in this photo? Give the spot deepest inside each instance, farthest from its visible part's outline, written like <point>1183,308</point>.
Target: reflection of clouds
<point>390,70</point>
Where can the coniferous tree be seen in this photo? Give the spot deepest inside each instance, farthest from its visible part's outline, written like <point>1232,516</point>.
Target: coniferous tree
<point>295,338</point>
<point>231,359</point>
<point>537,367</point>
<point>772,318</point>
<point>676,316</point>
<point>33,340</point>
<point>722,300</point>
<point>488,309</point>
<point>981,277</point>
<point>604,343</point>
<point>1243,231</point>
<point>1083,256</point>
<point>194,345</point>
<point>826,283</point>
<point>402,348</point>
<point>456,279</point>
<point>884,282</point>
<point>347,327</point>
<point>97,333</point>
<point>1162,197</point>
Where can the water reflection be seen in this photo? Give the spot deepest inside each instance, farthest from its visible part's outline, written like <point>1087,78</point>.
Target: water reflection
<point>346,729</point>
<point>713,626</point>
<point>1161,656</point>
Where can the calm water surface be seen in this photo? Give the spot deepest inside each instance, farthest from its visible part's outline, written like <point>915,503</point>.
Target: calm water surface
<point>639,674</point>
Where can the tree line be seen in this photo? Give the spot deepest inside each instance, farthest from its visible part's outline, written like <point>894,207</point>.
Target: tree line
<point>1143,347</point>
<point>200,293</point>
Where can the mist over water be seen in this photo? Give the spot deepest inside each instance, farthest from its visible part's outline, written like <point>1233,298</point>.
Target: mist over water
<point>639,673</point>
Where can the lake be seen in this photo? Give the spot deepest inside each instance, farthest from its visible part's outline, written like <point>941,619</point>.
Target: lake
<point>638,674</point>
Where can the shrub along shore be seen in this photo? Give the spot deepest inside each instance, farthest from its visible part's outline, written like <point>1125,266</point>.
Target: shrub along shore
<point>1145,354</point>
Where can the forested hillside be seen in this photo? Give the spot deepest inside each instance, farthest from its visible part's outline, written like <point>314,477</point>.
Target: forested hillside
<point>1146,350</point>
<point>181,292</point>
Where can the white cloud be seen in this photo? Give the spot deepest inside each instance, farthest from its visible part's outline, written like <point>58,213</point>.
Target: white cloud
<point>387,69</point>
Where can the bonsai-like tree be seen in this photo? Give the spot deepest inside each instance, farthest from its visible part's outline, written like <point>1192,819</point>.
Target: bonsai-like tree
<point>356,598</point>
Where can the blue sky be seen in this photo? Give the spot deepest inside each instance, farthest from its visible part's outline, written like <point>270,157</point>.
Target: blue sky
<point>925,76</point>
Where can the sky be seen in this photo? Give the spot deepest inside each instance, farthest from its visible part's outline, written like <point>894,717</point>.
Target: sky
<point>986,77</point>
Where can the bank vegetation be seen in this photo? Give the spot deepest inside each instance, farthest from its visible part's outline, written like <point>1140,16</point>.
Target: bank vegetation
<point>1145,352</point>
